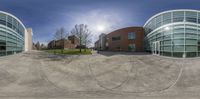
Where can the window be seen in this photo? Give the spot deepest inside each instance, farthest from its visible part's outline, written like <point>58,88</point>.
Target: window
<point>191,48</point>
<point>178,30</point>
<point>179,35</point>
<point>158,21</point>
<point>3,22</point>
<point>178,16</point>
<point>9,25</point>
<point>191,17</point>
<point>178,48</point>
<point>178,42</point>
<point>131,35</point>
<point>199,46</point>
<point>167,48</point>
<point>167,18</point>
<point>131,47</point>
<point>191,42</point>
<point>116,38</point>
<point>167,42</point>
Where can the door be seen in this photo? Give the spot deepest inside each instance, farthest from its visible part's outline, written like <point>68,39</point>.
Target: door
<point>156,48</point>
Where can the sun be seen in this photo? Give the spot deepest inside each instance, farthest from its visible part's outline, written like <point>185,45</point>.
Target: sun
<point>100,28</point>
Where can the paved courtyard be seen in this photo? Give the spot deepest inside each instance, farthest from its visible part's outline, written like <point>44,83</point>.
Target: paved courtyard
<point>108,75</point>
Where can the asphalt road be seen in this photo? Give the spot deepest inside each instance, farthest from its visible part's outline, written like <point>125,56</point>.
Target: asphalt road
<point>108,75</point>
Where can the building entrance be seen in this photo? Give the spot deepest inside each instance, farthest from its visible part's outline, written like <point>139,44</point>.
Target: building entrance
<point>156,48</point>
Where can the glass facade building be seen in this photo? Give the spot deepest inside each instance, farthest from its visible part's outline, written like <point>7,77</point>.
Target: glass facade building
<point>12,34</point>
<point>174,33</point>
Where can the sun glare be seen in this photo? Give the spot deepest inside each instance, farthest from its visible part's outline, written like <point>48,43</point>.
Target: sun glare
<point>100,28</point>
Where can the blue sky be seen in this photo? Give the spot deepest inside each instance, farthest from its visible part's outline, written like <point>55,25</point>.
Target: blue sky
<point>46,16</point>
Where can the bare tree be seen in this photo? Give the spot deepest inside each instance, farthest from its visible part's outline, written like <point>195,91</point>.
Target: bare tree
<point>82,32</point>
<point>87,38</point>
<point>60,35</point>
<point>37,45</point>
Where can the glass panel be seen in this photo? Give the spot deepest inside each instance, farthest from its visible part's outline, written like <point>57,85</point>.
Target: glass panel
<point>179,30</point>
<point>190,26</point>
<point>191,42</point>
<point>178,42</point>
<point>131,35</point>
<point>178,48</point>
<point>131,47</point>
<point>167,18</point>
<point>166,21</point>
<point>2,16</point>
<point>179,26</point>
<point>9,19</point>
<point>3,22</point>
<point>191,48</point>
<point>178,16</point>
<point>181,19</point>
<point>191,16</point>
<point>190,30</point>
<point>198,17</point>
<point>179,35</point>
<point>168,42</point>
<point>116,38</point>
<point>166,53</point>
<point>194,36</point>
<point>178,54</point>
<point>158,21</point>
<point>193,20</point>
<point>2,33</point>
<point>167,48</point>
<point>167,37</point>
<point>2,38</point>
<point>191,54</point>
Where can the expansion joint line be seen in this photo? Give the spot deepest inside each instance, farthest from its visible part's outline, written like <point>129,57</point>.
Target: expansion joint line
<point>62,90</point>
<point>118,86</point>
<point>129,77</point>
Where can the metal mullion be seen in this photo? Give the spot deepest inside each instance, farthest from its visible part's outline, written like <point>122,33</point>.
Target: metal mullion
<point>184,38</point>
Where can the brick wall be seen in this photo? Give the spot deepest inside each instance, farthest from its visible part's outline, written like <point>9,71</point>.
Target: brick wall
<point>124,42</point>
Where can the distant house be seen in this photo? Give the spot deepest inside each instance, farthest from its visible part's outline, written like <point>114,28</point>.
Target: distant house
<point>101,43</point>
<point>70,43</point>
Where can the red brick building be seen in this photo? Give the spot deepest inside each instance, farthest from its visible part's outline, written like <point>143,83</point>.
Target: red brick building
<point>70,43</point>
<point>126,39</point>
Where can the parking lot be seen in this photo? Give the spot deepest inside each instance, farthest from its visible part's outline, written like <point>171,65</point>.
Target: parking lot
<point>105,75</point>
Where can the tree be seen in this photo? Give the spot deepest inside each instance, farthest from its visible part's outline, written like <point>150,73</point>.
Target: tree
<point>37,45</point>
<point>60,35</point>
<point>87,38</point>
<point>82,32</point>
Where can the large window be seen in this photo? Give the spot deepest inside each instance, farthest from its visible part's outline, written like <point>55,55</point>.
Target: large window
<point>131,35</point>
<point>178,16</point>
<point>191,16</point>
<point>166,18</point>
<point>116,38</point>
<point>2,19</point>
<point>131,47</point>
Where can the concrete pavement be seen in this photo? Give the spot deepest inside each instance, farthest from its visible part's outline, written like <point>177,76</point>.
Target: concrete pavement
<point>38,75</point>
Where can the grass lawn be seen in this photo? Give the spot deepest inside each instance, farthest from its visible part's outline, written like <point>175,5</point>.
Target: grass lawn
<point>70,52</point>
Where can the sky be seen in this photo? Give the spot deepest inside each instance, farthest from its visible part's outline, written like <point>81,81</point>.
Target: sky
<point>101,16</point>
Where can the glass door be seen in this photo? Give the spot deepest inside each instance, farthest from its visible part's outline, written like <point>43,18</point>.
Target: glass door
<point>156,48</point>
